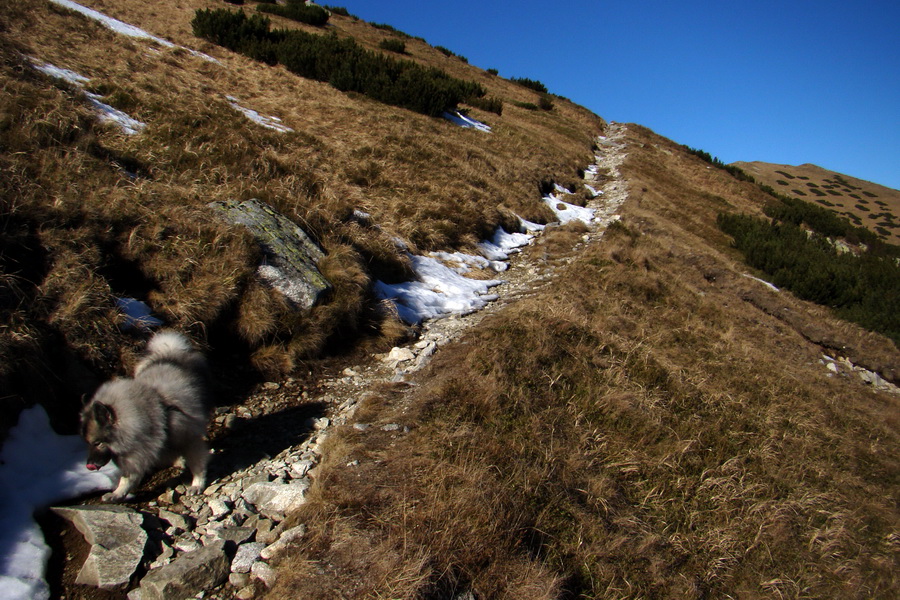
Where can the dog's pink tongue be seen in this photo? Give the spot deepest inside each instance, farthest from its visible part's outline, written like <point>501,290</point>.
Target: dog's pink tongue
<point>92,467</point>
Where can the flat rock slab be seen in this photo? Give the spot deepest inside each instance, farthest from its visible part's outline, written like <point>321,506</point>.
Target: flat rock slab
<point>291,256</point>
<point>117,539</point>
<point>188,574</point>
<point>274,499</point>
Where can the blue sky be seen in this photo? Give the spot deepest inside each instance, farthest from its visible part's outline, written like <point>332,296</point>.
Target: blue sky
<point>789,82</point>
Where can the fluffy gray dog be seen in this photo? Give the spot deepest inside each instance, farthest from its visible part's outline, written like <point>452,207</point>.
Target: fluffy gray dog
<point>153,419</point>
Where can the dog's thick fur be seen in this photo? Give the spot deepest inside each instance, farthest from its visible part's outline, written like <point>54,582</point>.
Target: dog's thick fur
<point>153,419</point>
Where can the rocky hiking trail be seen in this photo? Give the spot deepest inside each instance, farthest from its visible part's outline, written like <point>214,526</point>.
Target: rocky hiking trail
<point>218,544</point>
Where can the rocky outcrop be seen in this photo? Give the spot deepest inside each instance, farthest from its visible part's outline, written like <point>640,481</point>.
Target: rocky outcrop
<point>292,258</point>
<point>117,540</point>
<point>202,569</point>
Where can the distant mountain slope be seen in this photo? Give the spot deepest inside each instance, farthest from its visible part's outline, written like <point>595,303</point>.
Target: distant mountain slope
<point>868,204</point>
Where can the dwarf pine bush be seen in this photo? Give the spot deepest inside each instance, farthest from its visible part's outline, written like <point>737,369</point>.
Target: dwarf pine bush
<point>341,62</point>
<point>297,10</point>
<point>862,288</point>
<point>531,84</point>
<point>393,45</point>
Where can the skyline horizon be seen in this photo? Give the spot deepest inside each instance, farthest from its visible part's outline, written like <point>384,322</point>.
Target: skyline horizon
<point>755,83</point>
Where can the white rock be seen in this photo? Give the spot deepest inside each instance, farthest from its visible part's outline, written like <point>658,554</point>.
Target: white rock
<point>246,555</point>
<point>264,573</point>
<point>399,355</point>
<point>287,538</point>
<point>275,499</point>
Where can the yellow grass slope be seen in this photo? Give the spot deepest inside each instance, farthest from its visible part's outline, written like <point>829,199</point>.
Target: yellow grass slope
<point>655,425</point>
<point>867,204</point>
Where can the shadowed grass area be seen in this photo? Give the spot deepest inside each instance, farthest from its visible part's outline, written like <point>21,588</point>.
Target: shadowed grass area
<point>90,214</point>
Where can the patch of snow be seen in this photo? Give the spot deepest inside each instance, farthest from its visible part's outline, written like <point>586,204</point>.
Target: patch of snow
<point>594,192</point>
<point>105,112</point>
<point>566,212</point>
<point>137,314</point>
<point>125,29</point>
<point>502,244</point>
<point>37,468</point>
<point>463,263</point>
<point>438,292</point>
<point>59,73</point>
<point>108,114</point>
<point>265,121</point>
<point>111,23</point>
<point>467,122</point>
<point>766,283</point>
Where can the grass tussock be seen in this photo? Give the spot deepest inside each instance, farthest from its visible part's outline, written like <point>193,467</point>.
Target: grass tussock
<point>640,430</point>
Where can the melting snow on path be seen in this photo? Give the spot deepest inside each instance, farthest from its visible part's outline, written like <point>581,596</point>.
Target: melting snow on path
<point>123,28</point>
<point>37,468</point>
<point>106,113</point>
<point>267,122</point>
<point>567,212</point>
<point>467,122</point>
<point>442,290</point>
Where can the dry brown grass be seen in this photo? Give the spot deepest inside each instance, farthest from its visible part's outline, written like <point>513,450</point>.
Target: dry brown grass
<point>638,431</point>
<point>868,204</point>
<point>83,230</point>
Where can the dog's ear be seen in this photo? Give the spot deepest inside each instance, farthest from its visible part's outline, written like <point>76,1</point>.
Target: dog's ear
<point>104,414</point>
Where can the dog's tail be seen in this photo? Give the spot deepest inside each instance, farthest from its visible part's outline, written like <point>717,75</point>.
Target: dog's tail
<point>168,343</point>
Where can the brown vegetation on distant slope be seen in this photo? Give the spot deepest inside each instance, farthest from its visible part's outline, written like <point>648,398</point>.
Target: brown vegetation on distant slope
<point>642,429</point>
<point>866,204</point>
<point>90,213</point>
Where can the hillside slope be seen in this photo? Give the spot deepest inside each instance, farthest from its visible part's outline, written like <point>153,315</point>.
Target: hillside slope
<point>641,419</point>
<point>867,204</point>
<point>93,214</point>
<point>651,424</point>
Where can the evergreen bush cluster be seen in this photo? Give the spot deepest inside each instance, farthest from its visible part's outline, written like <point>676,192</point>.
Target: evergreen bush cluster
<point>531,84</point>
<point>393,45</point>
<point>297,10</point>
<point>492,104</point>
<point>341,62</point>
<point>735,172</point>
<point>862,288</point>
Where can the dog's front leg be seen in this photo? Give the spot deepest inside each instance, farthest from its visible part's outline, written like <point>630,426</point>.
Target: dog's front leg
<point>121,491</point>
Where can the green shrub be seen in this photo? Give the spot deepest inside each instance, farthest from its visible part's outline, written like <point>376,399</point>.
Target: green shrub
<point>734,171</point>
<point>297,10</point>
<point>393,45</point>
<point>341,62</point>
<point>799,192</point>
<point>864,289</point>
<point>781,182</point>
<point>493,71</point>
<point>494,105</point>
<point>390,28</point>
<point>545,102</point>
<point>526,105</point>
<point>531,84</point>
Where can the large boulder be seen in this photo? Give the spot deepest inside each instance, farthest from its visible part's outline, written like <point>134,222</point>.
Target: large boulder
<point>117,539</point>
<point>292,258</point>
<point>189,574</point>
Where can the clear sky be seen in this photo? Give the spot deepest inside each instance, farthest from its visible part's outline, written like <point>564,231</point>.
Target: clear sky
<point>788,82</point>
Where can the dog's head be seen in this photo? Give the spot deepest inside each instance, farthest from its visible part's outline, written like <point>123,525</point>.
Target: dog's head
<point>98,422</point>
